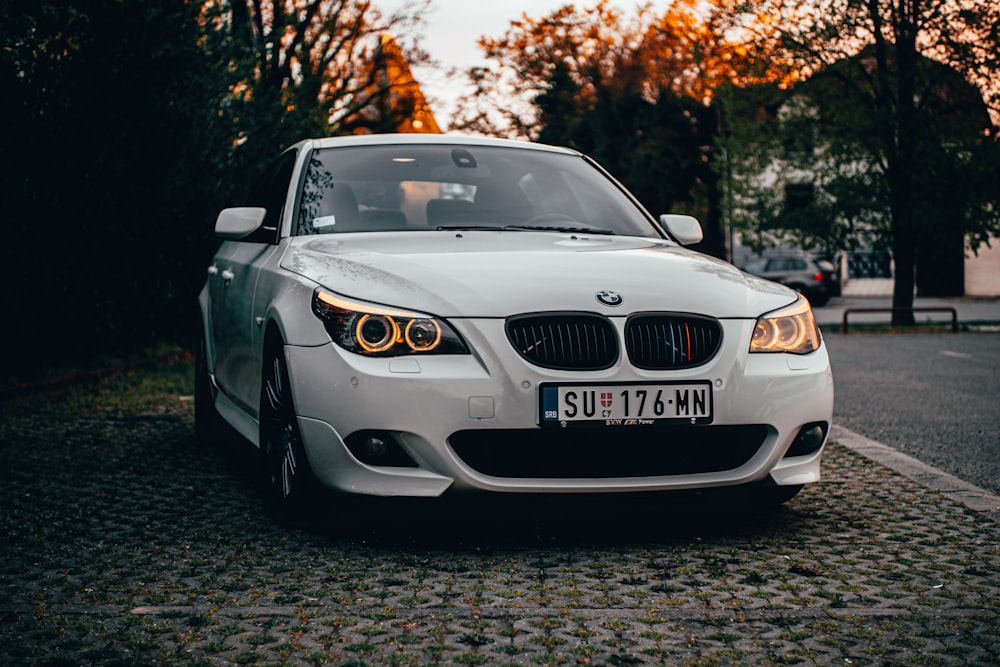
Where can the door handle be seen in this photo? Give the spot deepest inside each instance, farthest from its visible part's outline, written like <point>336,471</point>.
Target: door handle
<point>228,275</point>
<point>213,270</point>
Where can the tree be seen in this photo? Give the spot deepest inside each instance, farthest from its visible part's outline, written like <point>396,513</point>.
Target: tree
<point>304,68</point>
<point>112,152</point>
<point>129,124</point>
<point>603,51</point>
<point>880,94</point>
<point>660,149</point>
<point>404,105</point>
<point>633,91</point>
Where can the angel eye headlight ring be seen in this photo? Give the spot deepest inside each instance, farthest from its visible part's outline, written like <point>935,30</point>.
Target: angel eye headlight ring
<point>382,331</point>
<point>423,334</point>
<point>376,333</point>
<point>792,329</point>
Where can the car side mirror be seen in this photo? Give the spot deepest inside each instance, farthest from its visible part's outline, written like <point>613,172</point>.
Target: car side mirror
<point>684,228</point>
<point>239,223</point>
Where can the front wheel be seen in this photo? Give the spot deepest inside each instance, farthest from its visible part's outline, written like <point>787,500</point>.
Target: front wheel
<point>288,483</point>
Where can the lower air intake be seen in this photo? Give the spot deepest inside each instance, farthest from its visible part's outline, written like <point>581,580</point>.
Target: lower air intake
<point>647,451</point>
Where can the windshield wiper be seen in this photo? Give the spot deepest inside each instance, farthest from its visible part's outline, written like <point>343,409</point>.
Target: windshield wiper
<point>525,228</point>
<point>556,228</point>
<point>468,228</point>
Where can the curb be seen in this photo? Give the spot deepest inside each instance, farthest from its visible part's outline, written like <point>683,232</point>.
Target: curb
<point>963,492</point>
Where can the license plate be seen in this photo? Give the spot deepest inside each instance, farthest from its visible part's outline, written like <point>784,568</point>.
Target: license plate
<point>626,404</point>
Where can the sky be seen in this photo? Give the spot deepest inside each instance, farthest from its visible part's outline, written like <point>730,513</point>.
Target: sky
<point>452,29</point>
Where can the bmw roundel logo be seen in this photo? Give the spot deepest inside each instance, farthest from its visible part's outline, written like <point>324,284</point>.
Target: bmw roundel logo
<point>609,298</point>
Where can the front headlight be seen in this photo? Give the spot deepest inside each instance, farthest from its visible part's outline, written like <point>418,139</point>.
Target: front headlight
<point>383,332</point>
<point>791,329</point>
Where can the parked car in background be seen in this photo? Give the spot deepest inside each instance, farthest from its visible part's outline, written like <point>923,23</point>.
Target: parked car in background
<point>416,315</point>
<point>815,278</point>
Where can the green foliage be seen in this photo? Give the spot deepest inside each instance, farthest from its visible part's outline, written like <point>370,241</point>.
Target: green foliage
<point>661,151</point>
<point>128,126</point>
<point>789,180</point>
<point>889,128</point>
<point>811,168</point>
<point>558,107</point>
<point>113,134</point>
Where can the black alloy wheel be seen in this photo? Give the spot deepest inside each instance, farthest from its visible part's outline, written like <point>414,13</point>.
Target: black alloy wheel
<point>287,479</point>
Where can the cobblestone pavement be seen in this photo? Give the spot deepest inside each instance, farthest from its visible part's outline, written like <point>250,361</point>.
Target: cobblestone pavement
<point>124,543</point>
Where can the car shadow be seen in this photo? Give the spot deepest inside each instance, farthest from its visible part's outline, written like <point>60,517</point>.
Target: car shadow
<point>558,521</point>
<point>510,520</point>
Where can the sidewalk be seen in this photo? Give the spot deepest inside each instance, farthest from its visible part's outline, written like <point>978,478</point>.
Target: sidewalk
<point>868,287</point>
<point>877,293</point>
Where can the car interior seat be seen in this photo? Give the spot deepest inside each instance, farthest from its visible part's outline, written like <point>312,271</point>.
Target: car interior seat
<point>338,211</point>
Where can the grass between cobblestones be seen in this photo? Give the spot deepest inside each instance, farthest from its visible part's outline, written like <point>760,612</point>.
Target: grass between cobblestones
<point>124,543</point>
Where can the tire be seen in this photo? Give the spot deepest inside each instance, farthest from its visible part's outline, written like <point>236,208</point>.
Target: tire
<point>288,484</point>
<point>210,429</point>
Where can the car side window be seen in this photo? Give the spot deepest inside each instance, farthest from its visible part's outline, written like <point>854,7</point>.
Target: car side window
<point>270,193</point>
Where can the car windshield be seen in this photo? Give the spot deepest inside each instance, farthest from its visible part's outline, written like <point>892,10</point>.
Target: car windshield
<point>435,187</point>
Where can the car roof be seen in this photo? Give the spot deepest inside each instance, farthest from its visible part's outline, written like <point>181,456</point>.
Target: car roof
<point>399,139</point>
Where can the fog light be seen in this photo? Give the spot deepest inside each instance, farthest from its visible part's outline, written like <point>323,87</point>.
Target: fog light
<point>375,447</point>
<point>809,439</point>
<point>378,448</point>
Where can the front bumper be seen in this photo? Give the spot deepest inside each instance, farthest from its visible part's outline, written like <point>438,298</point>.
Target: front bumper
<point>467,422</point>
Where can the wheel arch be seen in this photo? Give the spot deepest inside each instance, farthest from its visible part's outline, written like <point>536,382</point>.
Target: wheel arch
<point>273,342</point>
<point>288,314</point>
<point>273,337</point>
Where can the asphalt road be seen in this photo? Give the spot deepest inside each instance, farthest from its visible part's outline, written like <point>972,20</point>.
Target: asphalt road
<point>932,396</point>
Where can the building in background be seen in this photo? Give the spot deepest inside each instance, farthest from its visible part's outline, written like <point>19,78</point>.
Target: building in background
<point>811,178</point>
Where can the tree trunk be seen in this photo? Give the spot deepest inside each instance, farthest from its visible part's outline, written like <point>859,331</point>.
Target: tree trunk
<point>901,184</point>
<point>904,254</point>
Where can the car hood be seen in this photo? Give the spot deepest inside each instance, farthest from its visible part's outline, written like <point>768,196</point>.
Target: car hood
<point>499,274</point>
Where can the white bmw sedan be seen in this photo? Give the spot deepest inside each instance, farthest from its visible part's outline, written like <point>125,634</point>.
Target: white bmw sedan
<point>415,315</point>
